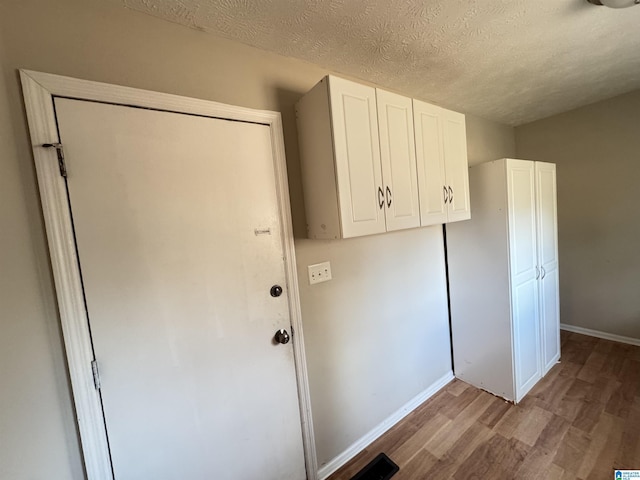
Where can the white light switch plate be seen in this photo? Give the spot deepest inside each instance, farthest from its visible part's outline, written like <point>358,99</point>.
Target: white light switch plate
<point>320,272</point>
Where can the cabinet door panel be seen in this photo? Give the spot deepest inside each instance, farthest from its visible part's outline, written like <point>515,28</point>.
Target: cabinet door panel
<point>430,160</point>
<point>547,214</point>
<point>546,206</point>
<point>357,156</point>
<point>524,273</point>
<point>456,162</point>
<point>550,319</point>
<point>522,220</point>
<point>526,336</point>
<point>397,153</point>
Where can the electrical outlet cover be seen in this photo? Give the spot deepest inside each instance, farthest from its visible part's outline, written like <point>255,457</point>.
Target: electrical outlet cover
<point>319,272</point>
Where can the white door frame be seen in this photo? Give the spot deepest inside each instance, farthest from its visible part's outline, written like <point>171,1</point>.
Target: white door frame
<point>39,90</point>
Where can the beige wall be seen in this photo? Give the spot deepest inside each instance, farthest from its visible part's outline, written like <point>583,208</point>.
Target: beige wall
<point>37,431</point>
<point>597,152</point>
<point>487,140</point>
<point>385,297</point>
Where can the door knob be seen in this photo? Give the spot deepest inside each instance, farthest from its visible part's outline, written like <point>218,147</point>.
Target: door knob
<point>282,336</point>
<point>276,291</point>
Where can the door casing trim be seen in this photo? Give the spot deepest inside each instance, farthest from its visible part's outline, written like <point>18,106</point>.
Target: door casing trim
<point>38,92</point>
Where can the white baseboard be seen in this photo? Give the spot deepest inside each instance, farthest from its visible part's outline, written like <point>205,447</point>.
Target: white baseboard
<point>366,440</point>
<point>599,334</point>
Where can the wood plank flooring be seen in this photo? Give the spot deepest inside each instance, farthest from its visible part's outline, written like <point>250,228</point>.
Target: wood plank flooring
<point>579,422</point>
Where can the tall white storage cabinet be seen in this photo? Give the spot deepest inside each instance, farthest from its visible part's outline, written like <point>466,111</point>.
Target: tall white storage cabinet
<point>503,278</point>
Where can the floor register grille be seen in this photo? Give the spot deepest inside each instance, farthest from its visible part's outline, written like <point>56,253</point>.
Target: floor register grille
<point>380,468</point>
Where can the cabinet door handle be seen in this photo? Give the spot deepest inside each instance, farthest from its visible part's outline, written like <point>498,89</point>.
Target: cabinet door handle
<point>446,196</point>
<point>380,198</point>
<point>537,272</point>
<point>388,197</point>
<point>544,273</point>
<point>450,195</point>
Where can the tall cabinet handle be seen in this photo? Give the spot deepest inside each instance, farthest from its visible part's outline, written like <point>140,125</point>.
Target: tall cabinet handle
<point>446,196</point>
<point>450,194</point>
<point>537,272</point>
<point>388,196</point>
<point>544,273</point>
<point>380,198</point>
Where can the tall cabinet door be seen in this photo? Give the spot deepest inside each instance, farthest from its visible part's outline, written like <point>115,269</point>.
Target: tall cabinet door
<point>357,157</point>
<point>546,207</point>
<point>524,274</point>
<point>398,156</point>
<point>430,159</point>
<point>454,134</point>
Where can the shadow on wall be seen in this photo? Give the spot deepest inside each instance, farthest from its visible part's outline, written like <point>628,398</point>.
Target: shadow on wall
<point>286,100</point>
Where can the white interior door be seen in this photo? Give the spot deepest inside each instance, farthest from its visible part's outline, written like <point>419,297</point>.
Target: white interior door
<point>524,274</point>
<point>179,242</point>
<point>546,207</point>
<point>357,154</point>
<point>398,157</point>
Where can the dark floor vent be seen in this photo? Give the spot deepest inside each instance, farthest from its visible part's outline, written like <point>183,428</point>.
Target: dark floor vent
<point>380,468</point>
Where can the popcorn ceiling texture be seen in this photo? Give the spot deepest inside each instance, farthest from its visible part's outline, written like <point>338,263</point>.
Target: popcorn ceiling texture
<point>513,61</point>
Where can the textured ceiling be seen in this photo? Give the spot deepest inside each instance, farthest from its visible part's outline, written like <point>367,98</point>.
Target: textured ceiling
<point>512,61</point>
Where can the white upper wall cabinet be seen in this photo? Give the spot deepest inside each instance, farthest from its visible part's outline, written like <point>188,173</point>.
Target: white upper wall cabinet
<point>431,169</point>
<point>360,173</point>
<point>441,152</point>
<point>340,156</point>
<point>357,155</point>
<point>454,138</point>
<point>340,152</point>
<point>398,157</point>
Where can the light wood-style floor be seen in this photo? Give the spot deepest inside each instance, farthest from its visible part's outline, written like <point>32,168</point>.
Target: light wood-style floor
<point>580,422</point>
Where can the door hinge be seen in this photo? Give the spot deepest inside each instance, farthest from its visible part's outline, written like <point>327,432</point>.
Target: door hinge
<point>60,151</point>
<point>96,374</point>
